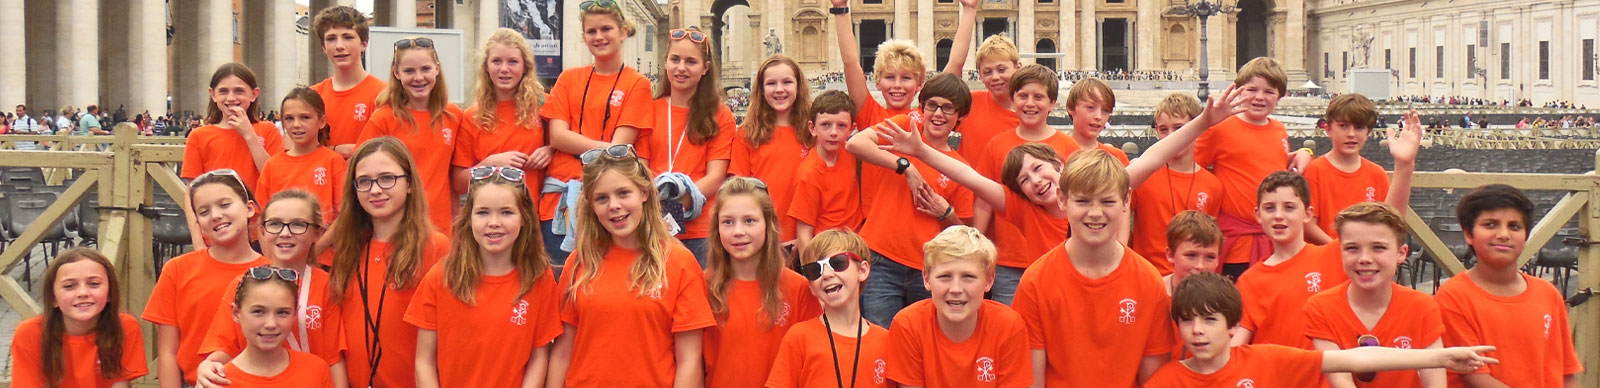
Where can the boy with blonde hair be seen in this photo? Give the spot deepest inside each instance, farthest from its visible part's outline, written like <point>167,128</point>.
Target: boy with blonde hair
<point>1342,177</point>
<point>840,343</point>
<point>992,107</point>
<point>959,267</point>
<point>1179,185</point>
<point>1243,150</point>
<point>898,71</point>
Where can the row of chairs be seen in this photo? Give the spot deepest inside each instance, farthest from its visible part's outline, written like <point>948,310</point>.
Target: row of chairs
<point>24,196</point>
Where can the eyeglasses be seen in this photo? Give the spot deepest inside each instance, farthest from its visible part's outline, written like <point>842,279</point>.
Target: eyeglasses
<point>295,227</point>
<point>227,172</point>
<point>485,172</point>
<point>693,35</point>
<point>1366,340</point>
<point>418,42</point>
<point>614,152</point>
<point>933,107</point>
<point>383,181</point>
<point>266,272</point>
<point>596,4</point>
<point>837,263</point>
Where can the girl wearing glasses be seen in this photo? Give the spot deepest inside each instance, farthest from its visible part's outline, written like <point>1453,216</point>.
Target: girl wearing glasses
<point>292,223</point>
<point>502,128</point>
<point>498,281</point>
<point>590,107</point>
<point>754,297</point>
<point>693,132</point>
<point>633,301</point>
<point>232,125</point>
<point>839,348</point>
<point>264,305</point>
<point>308,164</point>
<point>416,110</point>
<point>383,244</point>
<point>184,300</point>
<point>775,138</point>
<point>83,339</point>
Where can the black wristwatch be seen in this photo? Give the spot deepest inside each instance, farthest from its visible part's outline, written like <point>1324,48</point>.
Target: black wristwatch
<point>901,165</point>
<point>839,10</point>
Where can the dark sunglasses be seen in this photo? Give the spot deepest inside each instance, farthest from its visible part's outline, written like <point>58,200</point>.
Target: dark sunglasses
<point>407,43</point>
<point>693,35</point>
<point>838,263</point>
<point>594,4</point>
<point>1366,340</point>
<point>614,152</point>
<point>266,272</point>
<point>485,172</point>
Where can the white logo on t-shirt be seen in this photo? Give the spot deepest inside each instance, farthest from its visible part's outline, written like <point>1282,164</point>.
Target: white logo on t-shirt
<point>1547,326</point>
<point>616,98</point>
<point>361,112</point>
<point>783,314</point>
<point>1200,200</point>
<point>446,134</point>
<point>877,371</point>
<point>1372,194</point>
<point>320,176</point>
<point>1245,383</point>
<point>313,317</point>
<point>1314,282</point>
<point>1126,308</point>
<point>985,369</point>
<point>518,312</point>
<point>1402,342</point>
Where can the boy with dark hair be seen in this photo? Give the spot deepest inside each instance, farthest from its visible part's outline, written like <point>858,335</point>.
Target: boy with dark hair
<point>1275,291</point>
<point>1206,306</point>
<point>1494,303</point>
<point>897,224</point>
<point>1342,177</point>
<point>826,193</point>
<point>350,93</point>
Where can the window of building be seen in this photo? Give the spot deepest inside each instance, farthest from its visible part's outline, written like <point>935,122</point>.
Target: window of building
<point>1327,69</point>
<point>1544,59</point>
<point>1472,61</point>
<point>649,44</point>
<point>1345,65</point>
<point>1412,63</point>
<point>1438,61</point>
<point>1388,59</point>
<point>1588,59</point>
<point>1505,60</point>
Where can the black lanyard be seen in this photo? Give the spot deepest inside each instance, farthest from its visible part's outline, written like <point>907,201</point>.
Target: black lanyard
<point>374,349</point>
<point>855,366</point>
<point>584,107</point>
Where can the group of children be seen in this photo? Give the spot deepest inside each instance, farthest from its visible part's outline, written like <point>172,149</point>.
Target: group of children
<point>944,238</point>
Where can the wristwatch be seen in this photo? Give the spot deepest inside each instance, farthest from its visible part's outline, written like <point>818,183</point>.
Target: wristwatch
<point>839,10</point>
<point>901,165</point>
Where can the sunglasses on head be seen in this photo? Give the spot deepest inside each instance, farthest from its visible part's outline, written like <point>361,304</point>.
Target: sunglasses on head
<point>266,272</point>
<point>837,263</point>
<point>227,172</point>
<point>614,152</point>
<point>1366,340</point>
<point>485,172</point>
<point>408,43</point>
<point>597,4</point>
<point>693,35</point>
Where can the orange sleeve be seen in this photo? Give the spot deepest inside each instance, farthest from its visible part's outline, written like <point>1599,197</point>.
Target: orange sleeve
<point>271,139</point>
<point>568,307</point>
<point>1317,325</point>
<point>466,143</point>
<point>636,110</point>
<point>339,170</point>
<point>27,369</point>
<point>870,114</point>
<point>791,359</point>
<point>377,126</point>
<point>1027,305</point>
<point>264,186</point>
<point>545,298</point>
<point>194,154</point>
<point>1569,355</point>
<point>162,307</point>
<point>1014,354</point>
<point>134,364</point>
<point>556,106</point>
<point>739,163</point>
<point>806,205</point>
<point>1459,327</point>
<point>1289,364</point>
<point>721,146</point>
<point>807,305</point>
<point>224,332</point>
<point>424,309</point>
<point>1205,147</point>
<point>905,351</point>
<point>1160,337</point>
<point>691,310</point>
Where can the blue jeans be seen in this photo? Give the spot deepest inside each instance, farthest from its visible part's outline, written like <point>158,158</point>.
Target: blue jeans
<point>889,288</point>
<point>1005,283</point>
<point>697,246</point>
<point>552,246</point>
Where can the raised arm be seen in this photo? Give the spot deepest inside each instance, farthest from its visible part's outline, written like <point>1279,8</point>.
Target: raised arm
<point>864,145</point>
<point>1403,146</point>
<point>963,41</point>
<point>855,79</point>
<point>1463,359</point>
<point>1216,110</point>
<point>909,142</point>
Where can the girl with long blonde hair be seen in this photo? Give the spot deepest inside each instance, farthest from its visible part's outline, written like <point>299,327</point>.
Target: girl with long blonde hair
<point>503,128</point>
<point>416,110</point>
<point>775,136</point>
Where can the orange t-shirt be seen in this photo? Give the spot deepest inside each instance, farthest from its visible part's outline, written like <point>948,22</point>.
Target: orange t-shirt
<point>1118,319</point>
<point>1165,194</point>
<point>773,163</point>
<point>826,197</point>
<point>348,110</point>
<point>1043,230</point>
<point>1530,332</point>
<point>305,370</point>
<point>1275,295</point>
<point>211,147</point>
<point>1241,155</point>
<point>739,351</point>
<point>619,330</point>
<point>996,355</point>
<point>79,355</point>
<point>670,143</point>
<point>594,105</point>
<point>465,356</point>
<point>984,121</point>
<point>319,316</point>
<point>320,172</point>
<point>1248,366</point>
<point>1008,238</point>
<point>872,113</point>
<point>894,227</point>
<point>1333,190</point>
<point>805,359</point>
<point>1410,322</point>
<point>185,297</point>
<point>431,148</point>
<point>396,340</point>
<point>476,143</point>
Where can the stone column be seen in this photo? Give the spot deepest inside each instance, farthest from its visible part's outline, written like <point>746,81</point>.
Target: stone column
<point>14,72</point>
<point>1088,35</point>
<point>1026,21</point>
<point>148,82</point>
<point>40,54</point>
<point>925,41</point>
<point>1148,42</point>
<point>1068,43</point>
<point>78,22</point>
<point>203,41</point>
<point>1294,55</point>
<point>268,48</point>
<point>902,19</point>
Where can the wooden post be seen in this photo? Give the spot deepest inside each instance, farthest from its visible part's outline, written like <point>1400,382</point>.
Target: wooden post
<point>1586,317</point>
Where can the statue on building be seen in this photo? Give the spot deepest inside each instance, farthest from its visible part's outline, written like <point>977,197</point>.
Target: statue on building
<point>774,45</point>
<point>1362,46</point>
